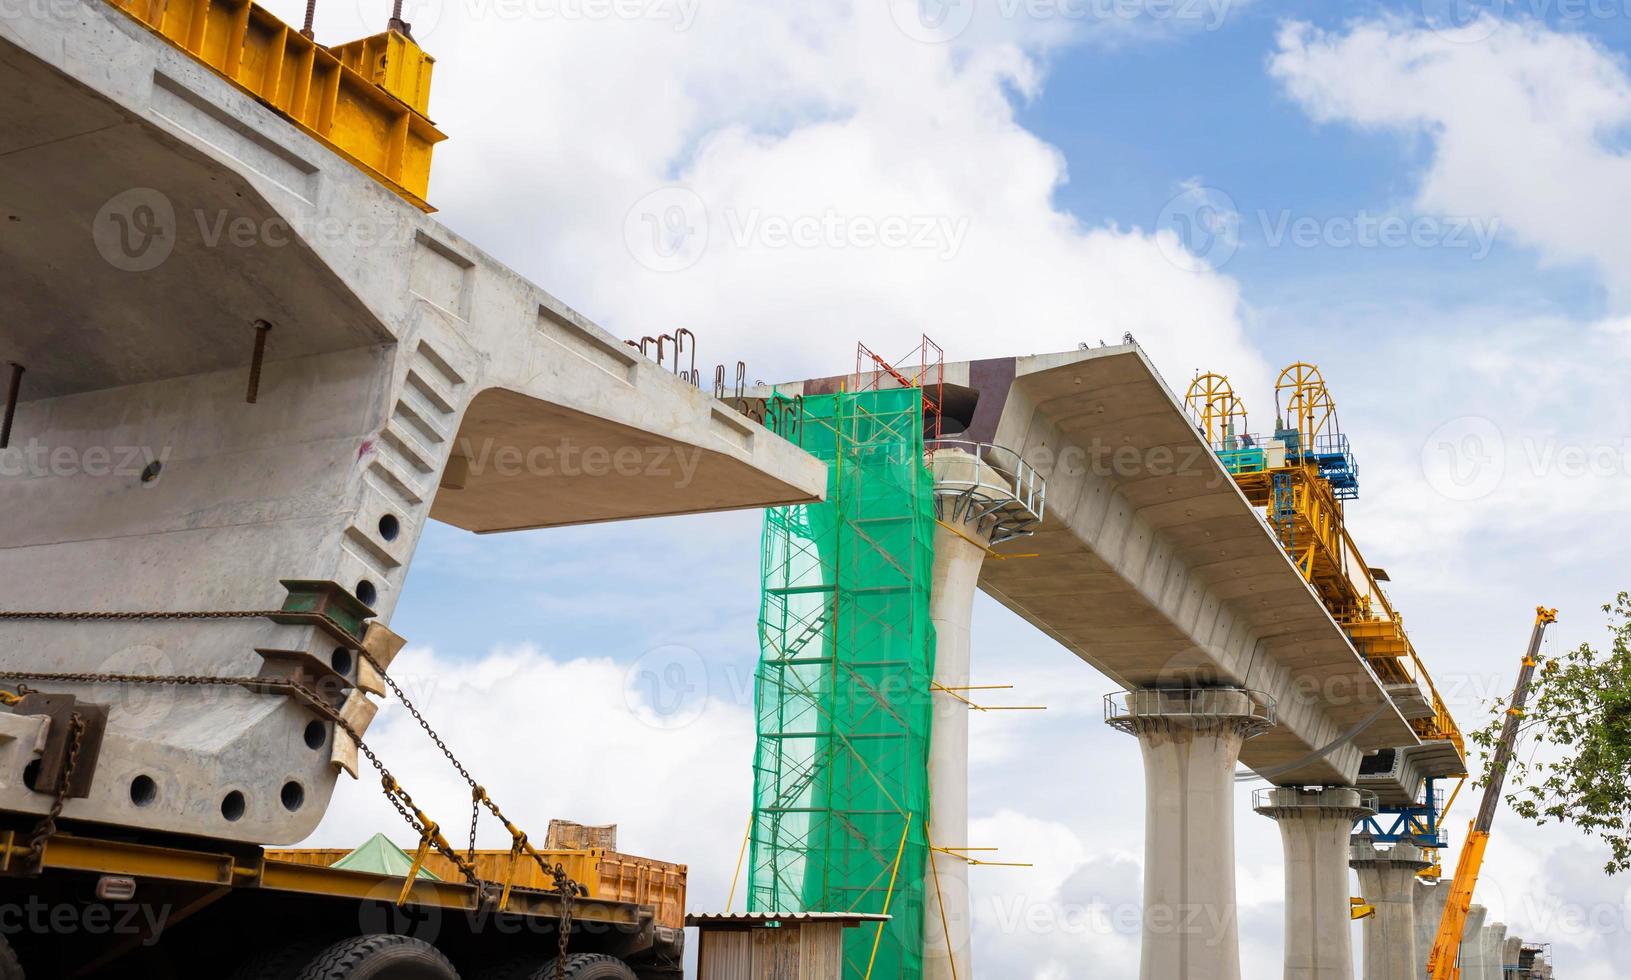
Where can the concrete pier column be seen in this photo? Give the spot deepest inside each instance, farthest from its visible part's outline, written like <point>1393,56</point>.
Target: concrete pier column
<point>957,561</point>
<point>1191,740</point>
<point>1494,951</point>
<point>1511,956</point>
<point>1472,944</point>
<point>1315,826</point>
<point>976,506</point>
<point>1429,900</point>
<point>1387,880</point>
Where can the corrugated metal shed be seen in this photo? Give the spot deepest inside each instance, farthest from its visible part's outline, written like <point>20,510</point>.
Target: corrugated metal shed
<point>774,946</point>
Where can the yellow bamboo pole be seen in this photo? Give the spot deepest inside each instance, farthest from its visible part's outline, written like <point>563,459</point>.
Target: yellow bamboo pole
<point>940,899</point>
<point>889,896</point>
<point>740,855</point>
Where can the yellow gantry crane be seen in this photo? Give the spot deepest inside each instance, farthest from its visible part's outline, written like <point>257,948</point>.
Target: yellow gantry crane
<point>1441,964</point>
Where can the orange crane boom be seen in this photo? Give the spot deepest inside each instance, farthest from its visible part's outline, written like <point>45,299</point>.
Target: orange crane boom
<point>1441,964</point>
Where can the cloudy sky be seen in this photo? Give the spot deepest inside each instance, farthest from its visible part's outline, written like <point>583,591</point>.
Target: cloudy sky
<point>1430,200</point>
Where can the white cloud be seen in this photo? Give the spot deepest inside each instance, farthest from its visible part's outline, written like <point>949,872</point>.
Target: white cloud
<point>583,151</point>
<point>1521,122</point>
<point>582,739</point>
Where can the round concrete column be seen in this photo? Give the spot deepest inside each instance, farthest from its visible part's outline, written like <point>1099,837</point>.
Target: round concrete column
<point>1191,740</point>
<point>1429,901</point>
<point>1315,826</point>
<point>1387,880</point>
<point>1472,944</point>
<point>957,561</point>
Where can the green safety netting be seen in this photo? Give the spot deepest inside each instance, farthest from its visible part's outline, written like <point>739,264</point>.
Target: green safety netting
<point>843,686</point>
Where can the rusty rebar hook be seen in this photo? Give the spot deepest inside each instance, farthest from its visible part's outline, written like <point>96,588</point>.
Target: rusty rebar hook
<point>12,391</point>
<point>741,379</point>
<point>719,382</point>
<point>680,348</point>
<point>262,328</point>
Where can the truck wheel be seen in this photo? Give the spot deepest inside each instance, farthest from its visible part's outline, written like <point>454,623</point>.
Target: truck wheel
<point>10,969</point>
<point>588,966</point>
<point>272,963</point>
<point>383,957</point>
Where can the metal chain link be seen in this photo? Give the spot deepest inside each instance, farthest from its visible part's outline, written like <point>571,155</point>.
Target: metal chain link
<point>48,823</point>
<point>565,886</point>
<point>399,797</point>
<point>129,616</point>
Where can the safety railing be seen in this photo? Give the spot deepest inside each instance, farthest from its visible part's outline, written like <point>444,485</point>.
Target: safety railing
<point>1018,478</point>
<point>1123,709</point>
<point>1329,798</point>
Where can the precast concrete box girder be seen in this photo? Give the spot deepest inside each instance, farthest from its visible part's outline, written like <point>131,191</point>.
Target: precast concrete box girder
<point>150,214</point>
<point>1153,567</point>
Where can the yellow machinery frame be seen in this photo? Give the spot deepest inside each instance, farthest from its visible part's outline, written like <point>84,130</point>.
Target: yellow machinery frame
<point>365,100</point>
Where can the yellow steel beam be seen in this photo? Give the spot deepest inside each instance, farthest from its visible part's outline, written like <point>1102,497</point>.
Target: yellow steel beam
<point>105,857</point>
<point>365,100</point>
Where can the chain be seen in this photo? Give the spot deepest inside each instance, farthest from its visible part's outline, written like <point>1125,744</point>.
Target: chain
<point>48,823</point>
<point>564,885</point>
<point>400,800</point>
<point>129,616</point>
<point>427,829</point>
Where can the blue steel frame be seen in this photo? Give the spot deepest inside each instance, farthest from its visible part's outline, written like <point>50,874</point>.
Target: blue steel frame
<point>1417,823</point>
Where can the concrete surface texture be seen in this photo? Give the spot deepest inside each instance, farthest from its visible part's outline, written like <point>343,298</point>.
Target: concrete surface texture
<point>958,554</point>
<point>1494,951</point>
<point>1429,900</point>
<point>1190,747</point>
<point>407,376</point>
<point>1472,944</point>
<point>1511,953</point>
<point>1316,826</point>
<point>1387,881</point>
<point>1153,567</point>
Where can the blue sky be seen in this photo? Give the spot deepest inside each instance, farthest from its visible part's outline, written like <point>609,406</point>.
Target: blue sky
<point>1061,147</point>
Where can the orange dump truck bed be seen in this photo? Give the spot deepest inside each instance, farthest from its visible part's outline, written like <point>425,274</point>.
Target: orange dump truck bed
<point>609,875</point>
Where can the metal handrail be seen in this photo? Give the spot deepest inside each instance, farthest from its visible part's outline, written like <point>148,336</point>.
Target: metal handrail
<point>1265,798</point>
<point>1024,482</point>
<point>1120,707</point>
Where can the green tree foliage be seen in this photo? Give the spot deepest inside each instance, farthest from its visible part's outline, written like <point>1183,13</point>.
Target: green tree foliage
<point>1573,764</point>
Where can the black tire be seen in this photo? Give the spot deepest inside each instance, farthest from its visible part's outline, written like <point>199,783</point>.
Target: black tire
<point>383,957</point>
<point>272,963</point>
<point>10,969</point>
<point>588,966</point>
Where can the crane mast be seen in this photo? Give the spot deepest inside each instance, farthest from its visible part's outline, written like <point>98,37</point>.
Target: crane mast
<point>1441,964</point>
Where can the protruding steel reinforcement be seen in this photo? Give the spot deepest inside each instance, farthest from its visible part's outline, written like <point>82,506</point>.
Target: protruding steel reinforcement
<point>12,391</point>
<point>262,328</point>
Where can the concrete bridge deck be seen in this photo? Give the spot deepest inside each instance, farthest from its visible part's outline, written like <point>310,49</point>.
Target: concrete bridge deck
<point>1153,567</point>
<point>151,212</point>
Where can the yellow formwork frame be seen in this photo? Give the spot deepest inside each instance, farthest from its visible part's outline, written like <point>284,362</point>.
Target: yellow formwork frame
<point>365,100</point>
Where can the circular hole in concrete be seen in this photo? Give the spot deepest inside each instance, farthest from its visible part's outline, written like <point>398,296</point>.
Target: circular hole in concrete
<point>143,791</point>
<point>315,735</point>
<point>340,660</point>
<point>366,593</point>
<point>151,471</point>
<point>389,527</point>
<point>232,805</point>
<point>31,775</point>
<point>293,795</point>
